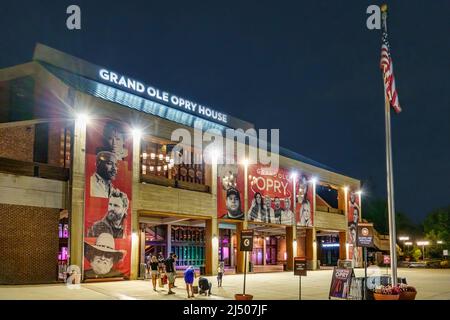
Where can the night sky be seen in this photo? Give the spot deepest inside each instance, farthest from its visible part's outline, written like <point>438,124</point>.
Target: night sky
<point>309,68</point>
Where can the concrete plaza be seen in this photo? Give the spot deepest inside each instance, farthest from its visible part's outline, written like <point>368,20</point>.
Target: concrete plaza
<point>430,283</point>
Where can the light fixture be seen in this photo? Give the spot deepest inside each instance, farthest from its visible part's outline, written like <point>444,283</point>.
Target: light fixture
<point>440,242</point>
<point>144,168</point>
<point>144,155</point>
<point>345,188</point>
<point>152,168</point>
<point>158,168</point>
<point>136,132</point>
<point>423,243</point>
<point>294,175</point>
<point>245,162</point>
<point>167,158</point>
<point>161,156</point>
<point>152,156</point>
<point>360,192</point>
<point>83,117</point>
<point>408,243</point>
<point>313,180</point>
<point>403,238</point>
<point>165,167</point>
<point>330,245</point>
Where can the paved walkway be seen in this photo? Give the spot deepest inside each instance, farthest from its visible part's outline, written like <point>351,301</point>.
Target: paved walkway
<point>431,284</point>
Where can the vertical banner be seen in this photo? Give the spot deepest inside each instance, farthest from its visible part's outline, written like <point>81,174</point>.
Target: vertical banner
<point>270,195</point>
<point>230,191</point>
<point>354,209</point>
<point>305,204</point>
<point>107,218</point>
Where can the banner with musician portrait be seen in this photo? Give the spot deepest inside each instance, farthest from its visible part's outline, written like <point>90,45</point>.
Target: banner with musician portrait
<point>107,218</point>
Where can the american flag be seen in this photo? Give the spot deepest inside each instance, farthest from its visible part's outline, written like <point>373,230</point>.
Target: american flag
<point>388,73</point>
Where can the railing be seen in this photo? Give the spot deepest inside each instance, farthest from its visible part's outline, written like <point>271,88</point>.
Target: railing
<point>330,210</point>
<point>33,169</point>
<point>163,181</point>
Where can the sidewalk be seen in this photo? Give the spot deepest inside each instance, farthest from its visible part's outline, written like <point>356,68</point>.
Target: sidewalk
<point>430,283</point>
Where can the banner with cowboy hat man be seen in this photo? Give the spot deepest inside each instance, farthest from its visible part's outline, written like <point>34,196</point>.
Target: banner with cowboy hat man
<point>107,218</point>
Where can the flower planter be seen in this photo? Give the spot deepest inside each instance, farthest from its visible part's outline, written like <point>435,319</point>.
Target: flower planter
<point>240,296</point>
<point>379,296</point>
<point>408,295</point>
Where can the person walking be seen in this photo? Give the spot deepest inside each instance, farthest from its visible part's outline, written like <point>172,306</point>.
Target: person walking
<point>170,270</point>
<point>220,271</point>
<point>153,268</point>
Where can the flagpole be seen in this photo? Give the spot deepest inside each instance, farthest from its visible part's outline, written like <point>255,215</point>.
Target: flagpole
<point>390,175</point>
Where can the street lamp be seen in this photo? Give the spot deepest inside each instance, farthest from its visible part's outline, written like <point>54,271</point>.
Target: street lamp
<point>423,244</point>
<point>440,242</point>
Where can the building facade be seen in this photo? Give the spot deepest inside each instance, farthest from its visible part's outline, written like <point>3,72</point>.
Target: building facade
<point>83,190</point>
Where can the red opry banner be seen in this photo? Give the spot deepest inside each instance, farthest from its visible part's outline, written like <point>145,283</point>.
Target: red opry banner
<point>107,219</point>
<point>230,191</point>
<point>354,209</point>
<point>270,195</point>
<point>305,203</point>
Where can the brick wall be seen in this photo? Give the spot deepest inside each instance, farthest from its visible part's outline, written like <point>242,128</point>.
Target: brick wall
<point>17,143</point>
<point>28,244</point>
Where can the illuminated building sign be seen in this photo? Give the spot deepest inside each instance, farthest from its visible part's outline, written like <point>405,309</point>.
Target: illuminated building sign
<point>163,96</point>
<point>103,76</point>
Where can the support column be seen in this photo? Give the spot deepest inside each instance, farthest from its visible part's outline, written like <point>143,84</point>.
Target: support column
<point>264,250</point>
<point>212,246</point>
<point>346,220</point>
<point>239,254</point>
<point>134,214</point>
<point>290,248</point>
<point>342,245</point>
<point>77,181</point>
<point>311,249</point>
<point>169,241</point>
<point>142,247</point>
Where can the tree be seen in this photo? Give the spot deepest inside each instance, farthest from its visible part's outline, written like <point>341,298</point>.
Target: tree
<point>376,211</point>
<point>437,228</point>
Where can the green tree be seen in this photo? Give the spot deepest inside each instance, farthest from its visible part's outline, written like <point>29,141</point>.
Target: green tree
<point>376,211</point>
<point>437,228</point>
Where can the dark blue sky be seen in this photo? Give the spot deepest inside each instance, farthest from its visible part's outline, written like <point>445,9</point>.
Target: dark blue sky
<point>308,68</point>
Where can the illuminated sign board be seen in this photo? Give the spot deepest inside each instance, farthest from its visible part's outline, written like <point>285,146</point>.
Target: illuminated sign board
<point>162,96</point>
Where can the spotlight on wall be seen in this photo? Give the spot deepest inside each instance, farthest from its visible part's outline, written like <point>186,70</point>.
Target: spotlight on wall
<point>137,133</point>
<point>346,188</point>
<point>83,117</point>
<point>313,180</point>
<point>215,241</point>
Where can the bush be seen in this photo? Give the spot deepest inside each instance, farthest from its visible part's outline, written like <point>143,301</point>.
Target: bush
<point>417,254</point>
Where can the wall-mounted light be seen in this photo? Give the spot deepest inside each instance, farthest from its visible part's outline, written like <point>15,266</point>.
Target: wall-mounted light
<point>82,117</point>
<point>144,155</point>
<point>136,132</point>
<point>152,156</point>
<point>152,168</point>
<point>346,188</point>
<point>403,238</point>
<point>161,156</point>
<point>215,241</point>
<point>313,180</point>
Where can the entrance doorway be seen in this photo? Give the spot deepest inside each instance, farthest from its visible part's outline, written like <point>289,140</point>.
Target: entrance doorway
<point>328,248</point>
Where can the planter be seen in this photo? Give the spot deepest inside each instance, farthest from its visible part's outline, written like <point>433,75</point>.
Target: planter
<point>408,295</point>
<point>379,296</point>
<point>240,296</point>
